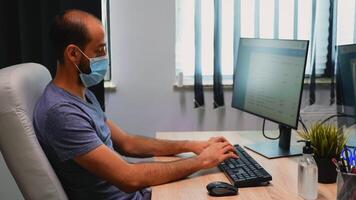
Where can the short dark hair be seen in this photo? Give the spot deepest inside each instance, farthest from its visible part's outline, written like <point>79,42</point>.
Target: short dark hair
<point>67,29</point>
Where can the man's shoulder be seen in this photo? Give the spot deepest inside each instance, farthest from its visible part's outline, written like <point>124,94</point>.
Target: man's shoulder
<point>54,103</point>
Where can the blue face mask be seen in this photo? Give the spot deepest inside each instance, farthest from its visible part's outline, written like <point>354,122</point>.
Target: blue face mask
<point>98,66</point>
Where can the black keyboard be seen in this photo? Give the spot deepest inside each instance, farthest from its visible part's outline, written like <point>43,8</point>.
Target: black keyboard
<point>244,171</point>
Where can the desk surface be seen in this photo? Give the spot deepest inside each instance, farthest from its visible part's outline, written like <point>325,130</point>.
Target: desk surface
<point>283,170</point>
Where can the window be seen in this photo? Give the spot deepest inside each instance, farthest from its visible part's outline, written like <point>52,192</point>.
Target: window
<point>346,33</point>
<point>105,19</point>
<point>282,19</point>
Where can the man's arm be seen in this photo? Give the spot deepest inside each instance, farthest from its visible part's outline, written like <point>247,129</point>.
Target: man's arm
<point>105,163</point>
<point>140,146</point>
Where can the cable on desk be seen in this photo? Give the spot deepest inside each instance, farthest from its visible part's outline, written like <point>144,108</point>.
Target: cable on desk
<point>263,132</point>
<point>337,115</point>
<point>301,121</point>
<point>304,126</point>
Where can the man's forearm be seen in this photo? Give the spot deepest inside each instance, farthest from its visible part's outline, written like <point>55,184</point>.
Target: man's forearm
<point>105,163</point>
<point>164,172</point>
<point>140,146</point>
<point>144,146</point>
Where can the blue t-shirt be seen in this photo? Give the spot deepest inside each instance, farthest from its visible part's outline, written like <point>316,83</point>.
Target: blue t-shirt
<point>67,126</point>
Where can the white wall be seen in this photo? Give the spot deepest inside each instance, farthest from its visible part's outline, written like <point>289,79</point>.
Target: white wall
<point>143,65</point>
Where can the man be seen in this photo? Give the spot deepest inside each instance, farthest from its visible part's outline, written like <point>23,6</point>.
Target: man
<point>79,140</point>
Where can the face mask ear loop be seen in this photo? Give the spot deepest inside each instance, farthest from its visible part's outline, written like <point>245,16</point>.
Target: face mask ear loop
<point>83,54</point>
<point>78,68</point>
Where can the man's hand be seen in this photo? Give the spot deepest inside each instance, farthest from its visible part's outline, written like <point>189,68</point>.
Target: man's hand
<point>215,154</point>
<point>198,147</point>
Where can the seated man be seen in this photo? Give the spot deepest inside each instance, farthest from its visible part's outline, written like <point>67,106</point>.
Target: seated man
<point>79,140</point>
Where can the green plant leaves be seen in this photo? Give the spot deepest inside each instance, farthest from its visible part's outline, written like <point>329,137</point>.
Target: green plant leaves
<point>326,139</point>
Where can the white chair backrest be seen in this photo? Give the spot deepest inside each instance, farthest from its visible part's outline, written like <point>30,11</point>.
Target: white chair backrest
<point>20,87</point>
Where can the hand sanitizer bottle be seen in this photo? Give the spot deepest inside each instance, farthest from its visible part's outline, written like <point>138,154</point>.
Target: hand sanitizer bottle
<point>307,174</point>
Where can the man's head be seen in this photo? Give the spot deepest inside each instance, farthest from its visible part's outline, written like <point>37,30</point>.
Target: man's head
<point>77,36</point>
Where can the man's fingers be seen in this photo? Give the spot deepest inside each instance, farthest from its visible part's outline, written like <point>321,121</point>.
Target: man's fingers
<point>224,147</point>
<point>218,139</point>
<point>227,144</point>
<point>228,148</point>
<point>221,138</point>
<point>213,139</point>
<point>229,155</point>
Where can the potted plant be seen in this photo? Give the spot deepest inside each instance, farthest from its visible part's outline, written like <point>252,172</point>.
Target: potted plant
<point>328,142</point>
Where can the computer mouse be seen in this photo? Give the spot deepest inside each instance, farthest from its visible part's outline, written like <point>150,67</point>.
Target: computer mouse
<point>218,188</point>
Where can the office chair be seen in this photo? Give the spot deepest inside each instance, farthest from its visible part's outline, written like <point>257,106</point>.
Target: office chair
<point>20,87</point>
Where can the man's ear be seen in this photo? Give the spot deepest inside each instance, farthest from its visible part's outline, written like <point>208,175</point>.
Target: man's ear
<point>72,53</point>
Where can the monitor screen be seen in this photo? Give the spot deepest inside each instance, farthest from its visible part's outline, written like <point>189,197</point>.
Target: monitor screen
<point>346,81</point>
<point>268,78</point>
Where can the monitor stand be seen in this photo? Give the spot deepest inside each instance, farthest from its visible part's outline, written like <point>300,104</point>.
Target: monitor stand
<point>277,149</point>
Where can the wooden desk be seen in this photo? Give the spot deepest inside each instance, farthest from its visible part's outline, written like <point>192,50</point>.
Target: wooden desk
<point>283,170</point>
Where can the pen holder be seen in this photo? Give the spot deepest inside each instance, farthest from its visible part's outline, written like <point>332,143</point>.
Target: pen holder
<point>346,186</point>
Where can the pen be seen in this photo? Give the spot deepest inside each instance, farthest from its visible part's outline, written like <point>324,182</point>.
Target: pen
<point>347,159</point>
<point>344,163</point>
<point>342,167</point>
<point>336,164</point>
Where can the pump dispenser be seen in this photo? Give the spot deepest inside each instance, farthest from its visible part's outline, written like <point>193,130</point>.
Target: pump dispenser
<point>307,173</point>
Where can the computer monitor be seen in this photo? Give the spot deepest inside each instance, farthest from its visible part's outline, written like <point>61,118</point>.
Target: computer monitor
<point>346,83</point>
<point>268,82</point>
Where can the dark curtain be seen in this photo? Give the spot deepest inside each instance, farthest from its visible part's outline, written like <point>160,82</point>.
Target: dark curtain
<point>198,77</point>
<point>24,32</point>
<point>312,84</point>
<point>218,86</point>
<point>330,64</point>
